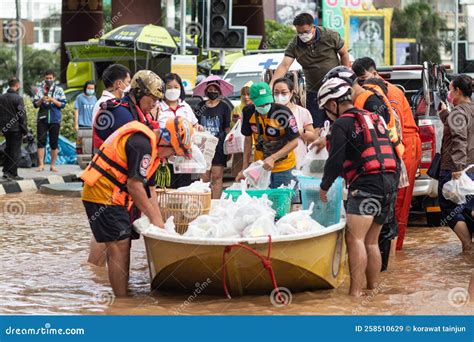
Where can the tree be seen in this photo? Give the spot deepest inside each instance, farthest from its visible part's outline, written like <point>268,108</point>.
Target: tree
<point>36,62</point>
<point>418,21</point>
<point>278,35</point>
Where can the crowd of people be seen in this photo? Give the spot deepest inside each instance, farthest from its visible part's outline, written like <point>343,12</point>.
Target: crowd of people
<point>140,120</point>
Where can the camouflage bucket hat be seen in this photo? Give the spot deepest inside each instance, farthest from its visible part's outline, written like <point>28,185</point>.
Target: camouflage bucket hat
<point>148,82</point>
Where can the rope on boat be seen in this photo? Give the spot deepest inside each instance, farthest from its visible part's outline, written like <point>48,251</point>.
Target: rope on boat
<point>266,263</point>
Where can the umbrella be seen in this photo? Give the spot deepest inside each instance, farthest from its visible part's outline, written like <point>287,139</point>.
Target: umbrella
<point>191,47</point>
<point>149,38</point>
<point>226,87</point>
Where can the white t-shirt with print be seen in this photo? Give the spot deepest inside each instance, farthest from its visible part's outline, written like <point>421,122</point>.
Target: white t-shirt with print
<point>303,118</point>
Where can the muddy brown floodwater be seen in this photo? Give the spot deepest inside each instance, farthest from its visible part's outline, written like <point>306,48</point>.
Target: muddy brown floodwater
<point>44,245</point>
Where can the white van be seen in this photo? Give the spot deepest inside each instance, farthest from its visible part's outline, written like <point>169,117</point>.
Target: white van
<point>252,68</point>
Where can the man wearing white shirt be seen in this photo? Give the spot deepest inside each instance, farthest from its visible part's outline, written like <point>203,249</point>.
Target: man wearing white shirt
<point>116,79</point>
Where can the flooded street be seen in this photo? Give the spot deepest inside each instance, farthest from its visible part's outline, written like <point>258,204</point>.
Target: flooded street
<point>44,244</point>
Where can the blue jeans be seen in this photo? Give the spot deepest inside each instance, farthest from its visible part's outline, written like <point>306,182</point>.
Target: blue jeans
<point>281,178</point>
<point>319,115</point>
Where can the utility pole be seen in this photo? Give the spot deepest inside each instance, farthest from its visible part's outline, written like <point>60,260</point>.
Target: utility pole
<point>19,46</point>
<point>456,36</point>
<point>183,27</point>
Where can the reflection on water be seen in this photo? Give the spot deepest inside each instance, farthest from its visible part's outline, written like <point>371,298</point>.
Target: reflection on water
<point>44,244</point>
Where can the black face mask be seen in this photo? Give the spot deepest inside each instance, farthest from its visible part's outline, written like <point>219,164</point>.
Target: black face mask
<point>49,83</point>
<point>212,95</point>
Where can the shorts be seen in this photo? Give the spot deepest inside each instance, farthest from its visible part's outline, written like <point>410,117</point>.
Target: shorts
<point>43,130</point>
<point>109,223</point>
<point>451,212</point>
<point>360,202</point>
<point>220,159</point>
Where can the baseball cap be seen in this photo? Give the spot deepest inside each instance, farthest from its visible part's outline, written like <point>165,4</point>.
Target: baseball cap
<point>261,94</point>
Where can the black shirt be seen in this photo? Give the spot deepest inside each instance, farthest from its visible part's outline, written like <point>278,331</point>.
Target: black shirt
<point>215,120</point>
<point>346,144</point>
<point>12,113</point>
<point>138,150</point>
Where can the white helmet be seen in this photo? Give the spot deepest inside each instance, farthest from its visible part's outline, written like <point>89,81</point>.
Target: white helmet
<point>333,89</point>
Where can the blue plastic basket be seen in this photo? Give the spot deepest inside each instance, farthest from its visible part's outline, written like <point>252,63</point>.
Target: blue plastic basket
<point>328,213</point>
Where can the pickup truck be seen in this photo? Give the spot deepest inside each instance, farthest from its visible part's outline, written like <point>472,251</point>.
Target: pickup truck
<point>415,81</point>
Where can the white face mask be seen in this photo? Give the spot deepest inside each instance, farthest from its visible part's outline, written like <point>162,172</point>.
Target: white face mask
<point>305,37</point>
<point>126,89</point>
<point>264,110</point>
<point>172,94</point>
<point>282,99</point>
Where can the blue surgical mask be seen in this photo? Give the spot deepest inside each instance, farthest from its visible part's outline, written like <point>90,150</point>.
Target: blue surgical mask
<point>264,110</point>
<point>90,92</point>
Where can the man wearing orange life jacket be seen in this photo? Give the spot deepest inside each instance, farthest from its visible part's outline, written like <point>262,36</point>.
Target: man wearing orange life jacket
<point>144,90</point>
<point>365,68</point>
<point>361,151</point>
<point>122,173</point>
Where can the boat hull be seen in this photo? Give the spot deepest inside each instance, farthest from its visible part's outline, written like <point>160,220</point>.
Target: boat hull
<point>317,262</point>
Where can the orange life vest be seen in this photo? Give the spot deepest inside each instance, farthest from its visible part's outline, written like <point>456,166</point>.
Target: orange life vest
<point>108,163</point>
<point>394,126</point>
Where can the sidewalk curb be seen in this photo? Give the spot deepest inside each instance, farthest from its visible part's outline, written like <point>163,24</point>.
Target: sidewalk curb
<point>32,185</point>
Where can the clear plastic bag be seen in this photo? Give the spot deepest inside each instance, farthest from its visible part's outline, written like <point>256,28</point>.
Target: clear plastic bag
<point>298,222</point>
<point>197,164</point>
<point>263,226</point>
<point>313,162</point>
<point>457,190</point>
<point>256,176</point>
<point>234,141</point>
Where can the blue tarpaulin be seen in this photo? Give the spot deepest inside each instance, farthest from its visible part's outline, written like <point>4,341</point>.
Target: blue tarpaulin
<point>67,152</point>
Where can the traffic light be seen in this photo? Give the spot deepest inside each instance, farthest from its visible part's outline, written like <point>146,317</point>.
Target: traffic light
<point>219,32</point>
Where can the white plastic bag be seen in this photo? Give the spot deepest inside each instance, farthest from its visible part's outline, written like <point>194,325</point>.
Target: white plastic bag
<point>313,162</point>
<point>197,164</point>
<point>456,190</point>
<point>256,176</point>
<point>298,222</point>
<point>197,186</point>
<point>263,226</point>
<point>207,143</point>
<point>234,141</point>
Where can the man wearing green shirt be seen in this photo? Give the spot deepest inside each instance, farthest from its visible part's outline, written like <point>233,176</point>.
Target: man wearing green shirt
<point>318,50</point>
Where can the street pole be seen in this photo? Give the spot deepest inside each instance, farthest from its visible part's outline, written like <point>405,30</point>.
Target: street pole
<point>456,36</point>
<point>19,46</point>
<point>183,27</point>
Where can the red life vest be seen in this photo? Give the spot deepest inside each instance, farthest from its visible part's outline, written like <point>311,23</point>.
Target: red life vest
<point>107,106</point>
<point>377,154</point>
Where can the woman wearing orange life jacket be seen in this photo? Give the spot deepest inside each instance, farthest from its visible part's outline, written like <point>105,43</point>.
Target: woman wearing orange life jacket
<point>365,68</point>
<point>122,173</point>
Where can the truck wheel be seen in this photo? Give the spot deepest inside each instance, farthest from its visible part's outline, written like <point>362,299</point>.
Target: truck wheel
<point>433,212</point>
